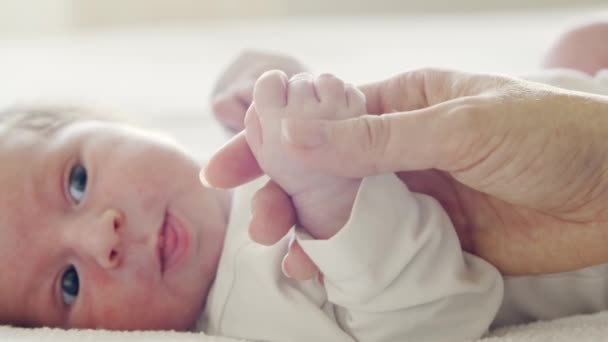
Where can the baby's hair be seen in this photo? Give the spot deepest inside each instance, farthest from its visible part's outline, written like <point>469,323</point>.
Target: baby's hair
<point>45,119</point>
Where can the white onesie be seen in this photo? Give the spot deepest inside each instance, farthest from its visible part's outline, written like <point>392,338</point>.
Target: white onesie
<point>395,272</point>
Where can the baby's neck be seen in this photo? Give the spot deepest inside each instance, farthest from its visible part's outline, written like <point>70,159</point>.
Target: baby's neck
<point>225,198</point>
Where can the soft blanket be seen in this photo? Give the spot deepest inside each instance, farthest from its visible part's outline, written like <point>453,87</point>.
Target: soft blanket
<point>577,328</point>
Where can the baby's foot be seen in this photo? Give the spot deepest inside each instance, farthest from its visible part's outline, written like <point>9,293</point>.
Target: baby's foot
<point>325,97</point>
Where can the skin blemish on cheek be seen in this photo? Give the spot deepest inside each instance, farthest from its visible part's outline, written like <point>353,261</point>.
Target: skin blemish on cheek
<point>108,314</point>
<point>98,278</point>
<point>148,198</point>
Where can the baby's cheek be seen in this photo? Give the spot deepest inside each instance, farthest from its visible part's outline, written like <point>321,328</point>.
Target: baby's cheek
<point>124,312</point>
<point>110,317</point>
<point>108,302</point>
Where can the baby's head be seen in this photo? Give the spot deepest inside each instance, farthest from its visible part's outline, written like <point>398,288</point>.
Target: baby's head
<point>101,225</point>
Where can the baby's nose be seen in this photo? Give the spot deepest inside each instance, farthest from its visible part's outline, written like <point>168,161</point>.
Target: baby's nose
<point>106,242</point>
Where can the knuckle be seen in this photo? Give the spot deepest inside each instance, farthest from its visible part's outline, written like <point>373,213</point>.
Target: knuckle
<point>374,142</point>
<point>466,129</point>
<point>355,96</point>
<point>330,80</point>
<point>269,78</point>
<point>326,75</point>
<point>304,75</point>
<point>301,77</point>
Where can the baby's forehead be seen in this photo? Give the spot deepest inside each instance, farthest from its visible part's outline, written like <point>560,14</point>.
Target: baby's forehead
<point>20,153</point>
<point>15,308</point>
<point>25,275</point>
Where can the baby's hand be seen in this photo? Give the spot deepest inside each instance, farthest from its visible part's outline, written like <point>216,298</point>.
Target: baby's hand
<point>323,203</point>
<point>233,92</point>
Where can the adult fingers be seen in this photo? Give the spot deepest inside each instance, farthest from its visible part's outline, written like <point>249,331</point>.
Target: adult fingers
<point>446,136</point>
<point>420,88</point>
<point>232,165</point>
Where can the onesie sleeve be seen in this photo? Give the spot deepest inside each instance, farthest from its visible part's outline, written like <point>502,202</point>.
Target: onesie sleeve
<point>396,270</point>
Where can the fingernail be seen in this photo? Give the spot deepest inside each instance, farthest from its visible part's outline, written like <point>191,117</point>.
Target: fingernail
<point>203,179</point>
<point>304,133</point>
<point>284,268</point>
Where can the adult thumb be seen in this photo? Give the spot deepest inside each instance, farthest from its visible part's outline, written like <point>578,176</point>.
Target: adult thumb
<point>441,137</point>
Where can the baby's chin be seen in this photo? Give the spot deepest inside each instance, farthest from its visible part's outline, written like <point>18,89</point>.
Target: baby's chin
<point>187,324</point>
<point>169,320</point>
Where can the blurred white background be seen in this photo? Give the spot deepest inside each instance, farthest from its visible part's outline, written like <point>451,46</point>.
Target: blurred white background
<point>160,58</point>
<point>44,16</point>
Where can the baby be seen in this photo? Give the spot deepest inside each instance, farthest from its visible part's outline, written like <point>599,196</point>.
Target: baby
<point>102,225</point>
<point>106,226</point>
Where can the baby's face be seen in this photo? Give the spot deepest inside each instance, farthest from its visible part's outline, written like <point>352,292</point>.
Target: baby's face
<point>102,226</point>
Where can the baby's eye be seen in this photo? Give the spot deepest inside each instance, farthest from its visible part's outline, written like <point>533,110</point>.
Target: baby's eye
<point>77,182</point>
<point>69,286</point>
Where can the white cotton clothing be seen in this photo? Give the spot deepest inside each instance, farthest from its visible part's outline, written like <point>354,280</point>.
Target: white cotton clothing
<point>395,272</point>
<point>573,80</point>
<point>552,296</point>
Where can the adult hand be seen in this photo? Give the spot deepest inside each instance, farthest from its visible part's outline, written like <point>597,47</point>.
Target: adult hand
<point>520,167</point>
<point>233,91</point>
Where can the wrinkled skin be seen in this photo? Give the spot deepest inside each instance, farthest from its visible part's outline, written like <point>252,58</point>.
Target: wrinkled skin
<point>520,167</point>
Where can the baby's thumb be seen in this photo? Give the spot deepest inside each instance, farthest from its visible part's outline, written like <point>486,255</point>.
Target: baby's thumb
<point>372,144</point>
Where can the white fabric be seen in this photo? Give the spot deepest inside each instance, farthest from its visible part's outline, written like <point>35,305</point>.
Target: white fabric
<point>584,328</point>
<point>573,80</point>
<point>394,272</point>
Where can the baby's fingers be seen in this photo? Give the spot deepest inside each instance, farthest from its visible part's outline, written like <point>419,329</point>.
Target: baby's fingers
<point>273,214</point>
<point>297,265</point>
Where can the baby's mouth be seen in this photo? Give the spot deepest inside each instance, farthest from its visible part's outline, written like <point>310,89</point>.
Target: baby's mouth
<point>172,242</point>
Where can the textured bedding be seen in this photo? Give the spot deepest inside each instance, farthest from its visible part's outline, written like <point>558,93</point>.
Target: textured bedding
<point>585,328</point>
<point>163,78</point>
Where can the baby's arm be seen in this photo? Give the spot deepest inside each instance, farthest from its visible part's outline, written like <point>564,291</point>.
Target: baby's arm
<point>396,271</point>
<point>391,259</point>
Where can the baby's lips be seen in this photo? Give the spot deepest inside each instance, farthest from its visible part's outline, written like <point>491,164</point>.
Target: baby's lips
<point>160,243</point>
